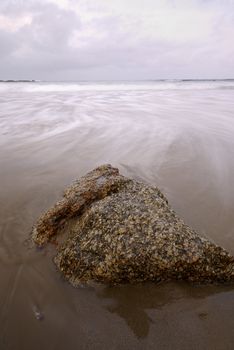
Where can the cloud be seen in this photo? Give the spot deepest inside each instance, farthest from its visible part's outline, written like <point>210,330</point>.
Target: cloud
<point>72,39</point>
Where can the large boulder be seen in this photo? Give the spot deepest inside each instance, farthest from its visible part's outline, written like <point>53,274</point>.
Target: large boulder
<point>118,230</point>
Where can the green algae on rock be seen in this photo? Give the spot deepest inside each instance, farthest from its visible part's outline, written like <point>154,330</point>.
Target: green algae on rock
<point>124,231</point>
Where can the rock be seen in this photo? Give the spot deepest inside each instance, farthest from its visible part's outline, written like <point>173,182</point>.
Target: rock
<point>123,231</point>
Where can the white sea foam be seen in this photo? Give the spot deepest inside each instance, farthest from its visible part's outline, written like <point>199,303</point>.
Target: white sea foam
<point>117,86</point>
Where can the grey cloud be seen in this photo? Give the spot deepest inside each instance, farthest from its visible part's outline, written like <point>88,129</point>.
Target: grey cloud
<point>111,45</point>
<point>43,44</point>
<point>51,28</point>
<point>8,43</point>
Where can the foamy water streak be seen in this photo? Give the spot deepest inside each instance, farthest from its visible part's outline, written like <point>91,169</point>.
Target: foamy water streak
<point>176,135</point>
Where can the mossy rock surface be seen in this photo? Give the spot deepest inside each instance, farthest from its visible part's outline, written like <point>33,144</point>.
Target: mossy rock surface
<point>118,230</point>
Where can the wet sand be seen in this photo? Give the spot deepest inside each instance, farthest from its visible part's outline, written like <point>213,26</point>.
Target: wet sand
<point>178,139</point>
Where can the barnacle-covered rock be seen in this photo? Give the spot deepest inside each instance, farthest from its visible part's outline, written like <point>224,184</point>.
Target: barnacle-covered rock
<point>125,231</point>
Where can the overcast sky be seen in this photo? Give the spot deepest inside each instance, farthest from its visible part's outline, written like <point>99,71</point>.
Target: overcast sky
<point>116,39</point>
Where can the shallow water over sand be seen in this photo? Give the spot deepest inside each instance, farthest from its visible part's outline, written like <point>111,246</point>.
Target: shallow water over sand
<point>176,135</point>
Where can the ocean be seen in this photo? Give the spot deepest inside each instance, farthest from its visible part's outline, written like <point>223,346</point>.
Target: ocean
<point>174,134</point>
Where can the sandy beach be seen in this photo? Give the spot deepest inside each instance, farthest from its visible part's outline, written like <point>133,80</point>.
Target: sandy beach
<point>173,134</point>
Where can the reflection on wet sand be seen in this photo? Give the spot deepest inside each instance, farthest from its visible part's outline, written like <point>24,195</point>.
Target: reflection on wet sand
<point>133,303</point>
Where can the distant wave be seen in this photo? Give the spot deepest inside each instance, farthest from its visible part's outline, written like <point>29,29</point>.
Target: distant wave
<point>18,81</point>
<point>224,87</point>
<point>118,86</point>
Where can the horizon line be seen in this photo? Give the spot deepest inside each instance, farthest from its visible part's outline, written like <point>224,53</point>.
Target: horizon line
<point>117,80</point>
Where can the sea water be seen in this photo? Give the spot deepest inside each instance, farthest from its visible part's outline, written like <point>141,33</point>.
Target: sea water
<point>177,135</point>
